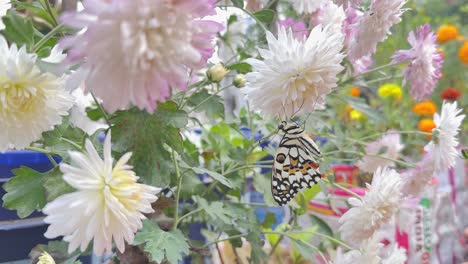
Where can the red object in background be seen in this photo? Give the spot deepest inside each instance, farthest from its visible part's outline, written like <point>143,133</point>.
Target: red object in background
<point>450,93</point>
<point>345,173</point>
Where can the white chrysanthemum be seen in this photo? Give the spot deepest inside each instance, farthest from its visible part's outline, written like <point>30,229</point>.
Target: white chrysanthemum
<point>376,208</point>
<point>295,74</point>
<point>31,101</point>
<point>374,27</point>
<point>331,14</point>
<point>306,6</point>
<point>416,180</point>
<point>368,253</point>
<point>381,152</point>
<point>4,6</point>
<point>397,256</point>
<point>108,203</point>
<point>444,136</point>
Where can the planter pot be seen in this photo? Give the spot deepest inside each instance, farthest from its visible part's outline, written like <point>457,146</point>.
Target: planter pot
<point>19,236</point>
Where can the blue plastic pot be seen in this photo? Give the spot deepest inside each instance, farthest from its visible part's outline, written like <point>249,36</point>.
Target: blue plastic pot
<point>19,236</point>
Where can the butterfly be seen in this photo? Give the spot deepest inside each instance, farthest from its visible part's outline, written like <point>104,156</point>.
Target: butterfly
<point>296,163</point>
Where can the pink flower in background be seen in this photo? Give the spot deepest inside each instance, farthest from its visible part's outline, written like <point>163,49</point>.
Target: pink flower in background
<point>424,69</point>
<point>331,15</point>
<point>350,24</point>
<point>298,28</point>
<point>416,180</point>
<point>348,3</point>
<point>374,27</point>
<point>381,152</point>
<point>362,65</point>
<point>137,51</point>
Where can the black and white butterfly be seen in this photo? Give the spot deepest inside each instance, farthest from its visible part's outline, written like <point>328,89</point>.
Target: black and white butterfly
<point>296,163</point>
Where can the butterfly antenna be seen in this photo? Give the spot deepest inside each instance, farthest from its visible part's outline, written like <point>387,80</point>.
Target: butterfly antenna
<point>299,109</point>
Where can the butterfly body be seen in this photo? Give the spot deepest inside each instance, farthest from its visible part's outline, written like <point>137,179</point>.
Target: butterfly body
<point>296,163</point>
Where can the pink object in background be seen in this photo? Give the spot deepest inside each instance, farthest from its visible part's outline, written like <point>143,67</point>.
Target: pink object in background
<point>345,173</point>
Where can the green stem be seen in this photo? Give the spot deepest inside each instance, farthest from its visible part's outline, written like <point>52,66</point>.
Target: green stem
<point>51,159</point>
<point>76,146</point>
<point>332,239</point>
<point>224,239</point>
<point>104,114</point>
<point>208,98</point>
<point>49,10</point>
<point>49,35</point>
<point>47,152</point>
<point>179,184</point>
<point>187,215</point>
<point>342,188</point>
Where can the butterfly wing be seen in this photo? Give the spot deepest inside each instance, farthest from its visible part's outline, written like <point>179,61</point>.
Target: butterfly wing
<point>295,167</point>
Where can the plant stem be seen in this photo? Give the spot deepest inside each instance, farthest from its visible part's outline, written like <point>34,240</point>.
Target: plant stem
<point>179,183</point>
<point>342,188</point>
<point>47,152</point>
<point>49,10</point>
<point>76,146</point>
<point>208,98</point>
<point>224,239</point>
<point>49,35</point>
<point>187,215</point>
<point>104,114</point>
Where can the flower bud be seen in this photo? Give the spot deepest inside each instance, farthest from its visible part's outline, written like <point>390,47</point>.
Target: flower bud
<point>45,258</point>
<point>216,72</point>
<point>239,81</point>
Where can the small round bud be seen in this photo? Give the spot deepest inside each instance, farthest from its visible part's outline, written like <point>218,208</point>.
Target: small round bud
<point>239,81</point>
<point>216,72</point>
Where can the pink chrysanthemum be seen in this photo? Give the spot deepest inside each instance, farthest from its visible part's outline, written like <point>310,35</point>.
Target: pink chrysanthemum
<point>417,179</point>
<point>298,28</point>
<point>348,3</point>
<point>136,51</point>
<point>426,61</point>
<point>374,27</point>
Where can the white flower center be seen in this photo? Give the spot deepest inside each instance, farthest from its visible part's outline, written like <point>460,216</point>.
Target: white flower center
<point>16,97</point>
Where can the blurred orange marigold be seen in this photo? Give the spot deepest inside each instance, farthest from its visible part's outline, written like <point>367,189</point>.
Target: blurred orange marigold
<point>463,52</point>
<point>425,108</point>
<point>447,33</point>
<point>426,125</point>
<point>450,93</point>
<point>355,92</point>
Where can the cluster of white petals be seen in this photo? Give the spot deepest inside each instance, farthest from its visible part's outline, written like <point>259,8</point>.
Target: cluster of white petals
<point>295,74</point>
<point>443,147</point>
<point>108,204</point>
<point>376,208</point>
<point>31,101</point>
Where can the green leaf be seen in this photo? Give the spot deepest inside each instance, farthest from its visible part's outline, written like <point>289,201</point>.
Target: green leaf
<point>238,3</point>
<point>35,9</point>
<point>160,244</point>
<point>262,184</point>
<point>311,192</point>
<point>304,249</point>
<point>266,15</point>
<point>322,225</point>
<point>203,101</point>
<point>360,105</point>
<point>215,210</point>
<point>223,180</point>
<point>146,135</point>
<point>55,185</point>
<point>18,29</point>
<point>25,192</point>
<point>241,67</point>
<point>270,219</point>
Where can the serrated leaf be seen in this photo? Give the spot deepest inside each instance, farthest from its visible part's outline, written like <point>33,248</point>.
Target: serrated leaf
<point>266,15</point>
<point>360,105</point>
<point>18,29</point>
<point>160,244</point>
<point>238,3</point>
<point>219,177</point>
<point>241,67</point>
<point>211,104</point>
<point>215,210</point>
<point>25,192</point>
<point>146,135</point>
<point>55,185</point>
